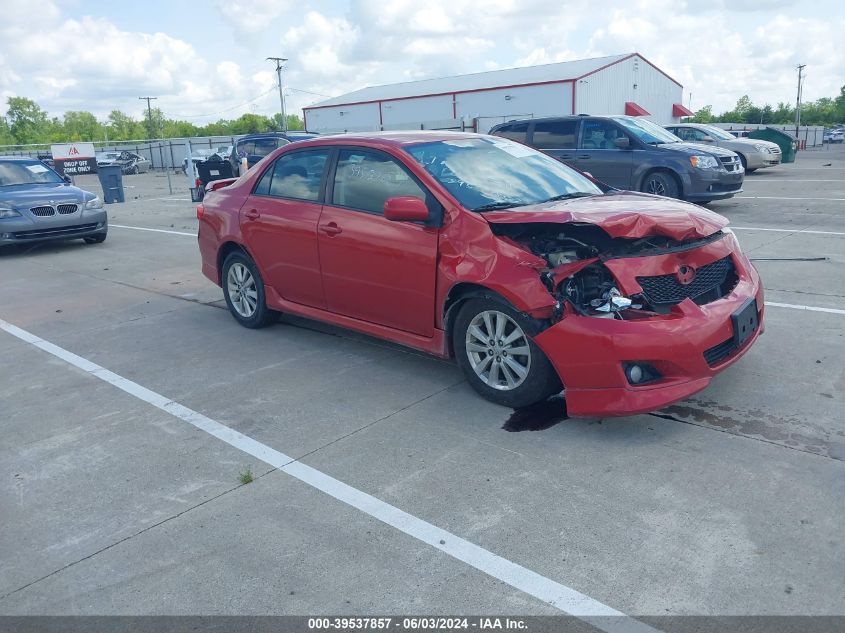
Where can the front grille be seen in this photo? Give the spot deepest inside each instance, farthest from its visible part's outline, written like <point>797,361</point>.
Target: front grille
<point>711,282</point>
<point>720,352</point>
<point>731,163</point>
<point>54,232</point>
<point>43,212</point>
<point>66,209</point>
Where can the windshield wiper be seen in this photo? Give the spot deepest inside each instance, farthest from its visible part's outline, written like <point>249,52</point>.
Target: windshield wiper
<point>493,206</point>
<point>568,196</point>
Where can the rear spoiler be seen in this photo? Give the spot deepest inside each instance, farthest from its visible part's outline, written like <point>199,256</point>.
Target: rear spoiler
<point>214,185</point>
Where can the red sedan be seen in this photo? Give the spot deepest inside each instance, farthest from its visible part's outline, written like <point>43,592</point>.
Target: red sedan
<point>532,276</point>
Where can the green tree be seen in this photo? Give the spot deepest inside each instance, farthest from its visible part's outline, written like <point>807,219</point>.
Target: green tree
<point>704,115</point>
<point>294,122</point>
<point>123,127</point>
<point>6,137</point>
<point>250,124</point>
<point>28,123</point>
<point>81,126</point>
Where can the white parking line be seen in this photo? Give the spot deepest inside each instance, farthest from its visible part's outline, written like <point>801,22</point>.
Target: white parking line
<point>801,307</point>
<point>549,591</point>
<point>757,228</point>
<point>785,198</point>
<point>755,181</point>
<point>141,228</point>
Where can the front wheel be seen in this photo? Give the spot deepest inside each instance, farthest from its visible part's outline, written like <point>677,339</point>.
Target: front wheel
<point>498,358</point>
<point>243,289</point>
<point>660,183</point>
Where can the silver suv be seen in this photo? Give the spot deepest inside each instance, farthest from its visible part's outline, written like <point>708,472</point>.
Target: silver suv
<point>754,153</point>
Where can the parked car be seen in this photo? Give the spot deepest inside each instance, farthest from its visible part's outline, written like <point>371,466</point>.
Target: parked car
<point>130,162</point>
<point>256,146</point>
<point>37,204</point>
<point>528,273</point>
<point>834,136</point>
<point>632,153</point>
<point>197,156</point>
<point>754,153</point>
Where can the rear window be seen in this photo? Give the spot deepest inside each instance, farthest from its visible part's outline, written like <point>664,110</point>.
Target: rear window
<point>513,131</point>
<point>555,134</point>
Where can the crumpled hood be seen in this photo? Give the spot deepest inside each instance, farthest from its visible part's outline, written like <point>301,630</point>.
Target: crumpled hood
<point>624,214</point>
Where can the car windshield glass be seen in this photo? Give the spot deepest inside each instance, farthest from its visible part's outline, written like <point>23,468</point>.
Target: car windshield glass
<point>717,132</point>
<point>647,131</point>
<point>495,173</point>
<point>26,173</point>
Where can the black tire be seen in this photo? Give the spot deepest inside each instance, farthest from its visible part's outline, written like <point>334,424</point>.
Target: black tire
<point>661,183</point>
<point>262,315</point>
<point>99,238</point>
<point>744,162</point>
<point>751,171</point>
<point>541,380</point>
<point>134,171</point>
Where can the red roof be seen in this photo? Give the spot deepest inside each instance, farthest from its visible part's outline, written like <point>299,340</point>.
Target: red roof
<point>679,110</point>
<point>632,109</point>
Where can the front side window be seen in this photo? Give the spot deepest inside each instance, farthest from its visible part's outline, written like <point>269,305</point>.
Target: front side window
<point>297,176</point>
<point>717,132</point>
<point>26,173</point>
<point>599,134</point>
<point>364,180</point>
<point>484,174</point>
<point>555,134</point>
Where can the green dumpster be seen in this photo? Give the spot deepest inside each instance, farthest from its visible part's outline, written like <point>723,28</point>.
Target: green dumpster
<point>787,143</point>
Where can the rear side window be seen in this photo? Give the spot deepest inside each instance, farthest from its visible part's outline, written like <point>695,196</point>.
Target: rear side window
<point>513,131</point>
<point>265,145</point>
<point>364,180</point>
<point>555,134</point>
<point>296,176</point>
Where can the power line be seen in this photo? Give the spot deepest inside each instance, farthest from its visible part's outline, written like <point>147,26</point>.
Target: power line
<point>308,92</point>
<point>240,105</point>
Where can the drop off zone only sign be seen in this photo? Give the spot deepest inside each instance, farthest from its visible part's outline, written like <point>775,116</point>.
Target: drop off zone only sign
<point>73,159</point>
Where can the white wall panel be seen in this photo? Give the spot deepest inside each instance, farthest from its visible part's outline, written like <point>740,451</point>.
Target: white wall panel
<point>349,118</point>
<point>417,110</point>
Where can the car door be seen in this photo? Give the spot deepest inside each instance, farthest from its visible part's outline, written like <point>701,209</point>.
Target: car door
<point>598,155</point>
<point>279,225</point>
<point>556,137</point>
<point>375,269</point>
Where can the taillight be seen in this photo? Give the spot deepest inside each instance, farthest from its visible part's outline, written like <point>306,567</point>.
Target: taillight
<point>200,211</point>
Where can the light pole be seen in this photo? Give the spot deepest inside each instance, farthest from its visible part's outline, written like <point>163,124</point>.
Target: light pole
<point>798,100</point>
<point>149,113</point>
<point>279,61</point>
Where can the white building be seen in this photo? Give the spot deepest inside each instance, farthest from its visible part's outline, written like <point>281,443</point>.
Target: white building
<point>619,84</point>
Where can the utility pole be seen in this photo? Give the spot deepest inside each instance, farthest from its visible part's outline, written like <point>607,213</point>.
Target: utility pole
<point>279,61</point>
<point>798,100</point>
<point>149,112</point>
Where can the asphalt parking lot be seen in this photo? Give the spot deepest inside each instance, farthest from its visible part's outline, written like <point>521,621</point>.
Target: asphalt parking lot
<point>383,483</point>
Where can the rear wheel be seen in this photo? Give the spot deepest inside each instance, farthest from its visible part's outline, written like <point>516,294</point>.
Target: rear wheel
<point>243,289</point>
<point>498,358</point>
<point>660,183</point>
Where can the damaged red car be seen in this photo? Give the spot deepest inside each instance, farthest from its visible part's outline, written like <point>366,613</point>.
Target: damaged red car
<point>535,278</point>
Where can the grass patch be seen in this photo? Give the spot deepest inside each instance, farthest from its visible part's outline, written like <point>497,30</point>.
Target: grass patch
<point>245,476</point>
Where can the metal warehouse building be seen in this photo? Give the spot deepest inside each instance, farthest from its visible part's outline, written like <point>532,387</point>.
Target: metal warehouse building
<point>619,84</point>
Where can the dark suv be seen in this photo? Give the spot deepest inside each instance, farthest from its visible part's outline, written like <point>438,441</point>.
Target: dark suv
<point>256,146</point>
<point>634,154</point>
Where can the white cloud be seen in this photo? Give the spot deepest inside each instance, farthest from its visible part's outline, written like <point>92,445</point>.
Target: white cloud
<point>251,16</point>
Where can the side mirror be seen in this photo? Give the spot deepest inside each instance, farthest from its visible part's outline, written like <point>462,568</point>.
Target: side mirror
<point>405,208</point>
<point>67,179</point>
<point>622,143</point>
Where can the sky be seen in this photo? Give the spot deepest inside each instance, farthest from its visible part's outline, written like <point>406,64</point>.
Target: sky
<point>206,60</point>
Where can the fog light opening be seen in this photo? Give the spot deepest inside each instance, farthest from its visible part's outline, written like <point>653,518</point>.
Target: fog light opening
<point>640,373</point>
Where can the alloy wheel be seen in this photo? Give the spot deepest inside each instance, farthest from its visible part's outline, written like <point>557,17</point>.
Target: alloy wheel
<point>655,187</point>
<point>498,350</point>
<point>242,290</point>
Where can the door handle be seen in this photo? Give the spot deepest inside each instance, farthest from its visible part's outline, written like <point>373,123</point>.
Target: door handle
<point>583,156</point>
<point>564,157</point>
<point>331,228</point>
<point>252,214</point>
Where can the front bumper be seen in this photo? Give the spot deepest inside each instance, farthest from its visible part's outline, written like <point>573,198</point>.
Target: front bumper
<point>704,185</point>
<point>589,353</point>
<point>24,230</point>
<point>759,160</point>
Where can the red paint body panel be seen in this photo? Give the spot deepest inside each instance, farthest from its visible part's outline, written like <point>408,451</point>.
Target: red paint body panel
<point>393,279</point>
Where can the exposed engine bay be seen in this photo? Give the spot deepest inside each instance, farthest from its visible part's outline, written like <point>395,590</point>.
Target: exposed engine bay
<point>577,276</point>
